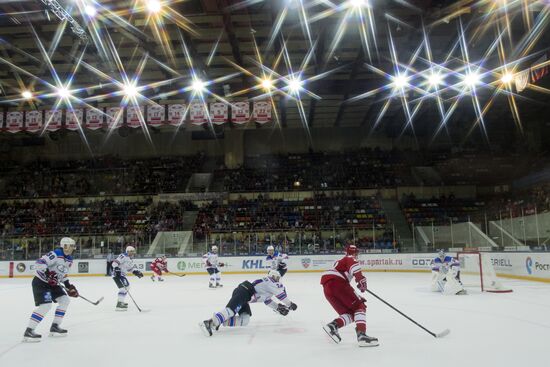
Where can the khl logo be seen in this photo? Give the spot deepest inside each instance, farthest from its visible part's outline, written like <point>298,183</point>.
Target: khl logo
<point>529,264</point>
<point>253,264</point>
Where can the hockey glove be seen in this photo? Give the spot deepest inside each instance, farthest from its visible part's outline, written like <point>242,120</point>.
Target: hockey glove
<point>138,273</point>
<point>293,306</point>
<point>362,284</point>
<point>282,309</point>
<point>118,273</point>
<point>71,290</point>
<point>221,265</point>
<point>51,276</point>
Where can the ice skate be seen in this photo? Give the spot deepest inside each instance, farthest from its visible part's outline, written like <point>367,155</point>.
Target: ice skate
<point>31,337</point>
<point>153,278</point>
<point>160,280</point>
<point>206,327</point>
<point>219,285</point>
<point>366,341</point>
<point>332,330</point>
<point>55,330</point>
<point>121,306</point>
<point>212,286</point>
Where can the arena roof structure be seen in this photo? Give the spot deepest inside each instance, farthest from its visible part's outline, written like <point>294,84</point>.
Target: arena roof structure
<point>411,66</point>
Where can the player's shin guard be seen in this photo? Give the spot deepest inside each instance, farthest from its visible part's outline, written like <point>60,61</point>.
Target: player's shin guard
<point>38,315</point>
<point>360,321</point>
<point>343,320</point>
<point>122,292</point>
<point>212,280</point>
<point>221,317</point>
<point>62,304</point>
<point>218,278</point>
<point>238,320</point>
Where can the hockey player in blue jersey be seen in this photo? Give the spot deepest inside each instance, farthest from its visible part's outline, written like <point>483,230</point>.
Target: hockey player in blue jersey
<point>50,284</point>
<point>446,275</point>
<point>277,260</point>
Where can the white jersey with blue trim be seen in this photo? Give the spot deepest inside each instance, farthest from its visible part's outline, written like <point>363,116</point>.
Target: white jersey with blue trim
<point>265,289</point>
<point>54,261</point>
<point>447,262</point>
<point>277,261</point>
<point>124,263</point>
<point>210,260</point>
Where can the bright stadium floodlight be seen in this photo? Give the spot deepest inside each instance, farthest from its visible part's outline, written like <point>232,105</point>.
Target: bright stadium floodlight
<point>130,90</point>
<point>63,93</point>
<point>294,85</point>
<point>472,79</point>
<point>358,3</point>
<point>198,85</point>
<point>435,79</point>
<point>267,84</point>
<point>90,10</point>
<point>507,78</point>
<point>400,81</point>
<point>26,94</point>
<point>153,6</point>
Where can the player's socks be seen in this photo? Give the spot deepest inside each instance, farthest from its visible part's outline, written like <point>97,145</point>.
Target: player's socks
<point>55,330</point>
<point>31,337</point>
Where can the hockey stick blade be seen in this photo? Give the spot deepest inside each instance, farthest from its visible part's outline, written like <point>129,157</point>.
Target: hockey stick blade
<point>97,302</point>
<point>443,333</point>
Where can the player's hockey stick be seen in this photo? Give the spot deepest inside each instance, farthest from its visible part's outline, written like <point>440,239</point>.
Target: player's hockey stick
<point>133,300</point>
<point>84,298</point>
<point>435,335</point>
<point>178,275</point>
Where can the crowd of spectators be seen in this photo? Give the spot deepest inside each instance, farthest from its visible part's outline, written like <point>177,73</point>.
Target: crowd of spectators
<point>363,168</point>
<point>104,175</point>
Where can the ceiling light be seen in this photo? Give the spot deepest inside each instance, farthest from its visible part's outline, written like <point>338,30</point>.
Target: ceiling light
<point>294,85</point>
<point>153,6</point>
<point>507,78</point>
<point>26,94</point>
<point>472,79</point>
<point>400,81</point>
<point>198,85</point>
<point>435,79</point>
<point>90,10</point>
<point>130,90</point>
<point>63,92</point>
<point>267,84</point>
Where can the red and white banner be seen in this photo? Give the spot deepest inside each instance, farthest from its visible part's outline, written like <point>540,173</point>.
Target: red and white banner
<point>197,113</point>
<point>53,119</point>
<point>156,114</point>
<point>240,112</point>
<point>176,114</point>
<point>114,117</point>
<point>261,112</point>
<point>33,121</point>
<point>219,113</point>
<point>74,119</point>
<point>135,116</point>
<point>14,121</point>
<point>94,119</point>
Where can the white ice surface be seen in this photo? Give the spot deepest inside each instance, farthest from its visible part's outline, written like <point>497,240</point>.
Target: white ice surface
<point>486,329</point>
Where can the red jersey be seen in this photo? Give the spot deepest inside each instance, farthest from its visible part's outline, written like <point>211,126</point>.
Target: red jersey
<point>160,264</point>
<point>346,268</point>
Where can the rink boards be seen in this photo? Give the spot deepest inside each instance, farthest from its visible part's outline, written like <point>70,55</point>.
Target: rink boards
<point>517,265</point>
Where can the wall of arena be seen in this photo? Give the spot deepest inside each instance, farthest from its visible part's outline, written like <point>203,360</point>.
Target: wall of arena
<point>516,265</point>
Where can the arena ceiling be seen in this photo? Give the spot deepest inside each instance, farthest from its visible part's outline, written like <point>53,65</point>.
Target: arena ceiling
<point>410,63</point>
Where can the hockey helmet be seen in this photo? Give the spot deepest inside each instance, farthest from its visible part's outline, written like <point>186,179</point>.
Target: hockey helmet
<point>130,250</point>
<point>274,274</point>
<point>352,250</point>
<point>441,254</point>
<point>270,250</point>
<point>68,245</point>
<point>215,249</point>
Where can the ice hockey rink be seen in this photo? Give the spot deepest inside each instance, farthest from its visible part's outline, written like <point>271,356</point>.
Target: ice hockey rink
<point>486,329</point>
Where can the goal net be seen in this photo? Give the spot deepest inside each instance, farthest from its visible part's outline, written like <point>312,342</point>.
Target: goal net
<point>476,270</point>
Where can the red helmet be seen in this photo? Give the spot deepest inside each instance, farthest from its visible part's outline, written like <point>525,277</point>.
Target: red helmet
<point>352,250</point>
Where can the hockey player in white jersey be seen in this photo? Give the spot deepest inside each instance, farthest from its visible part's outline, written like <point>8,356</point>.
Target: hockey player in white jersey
<point>238,312</point>
<point>51,272</point>
<point>212,265</point>
<point>446,275</point>
<point>277,260</point>
<point>122,265</point>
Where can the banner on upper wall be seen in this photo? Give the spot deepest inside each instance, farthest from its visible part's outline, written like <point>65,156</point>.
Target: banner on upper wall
<point>94,118</point>
<point>33,121</point>
<point>14,121</point>
<point>114,117</point>
<point>219,113</point>
<point>156,114</point>
<point>135,116</point>
<point>240,112</point>
<point>198,114</point>
<point>261,112</point>
<point>74,119</point>
<point>176,114</point>
<point>53,120</point>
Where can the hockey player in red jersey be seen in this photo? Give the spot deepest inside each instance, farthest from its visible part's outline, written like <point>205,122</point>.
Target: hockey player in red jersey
<point>158,266</point>
<point>340,294</point>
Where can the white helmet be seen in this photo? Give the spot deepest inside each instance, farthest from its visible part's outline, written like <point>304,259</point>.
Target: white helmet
<point>270,250</point>
<point>274,274</point>
<point>68,245</point>
<point>214,249</point>
<point>130,250</point>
